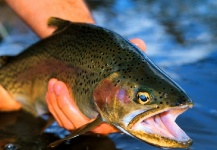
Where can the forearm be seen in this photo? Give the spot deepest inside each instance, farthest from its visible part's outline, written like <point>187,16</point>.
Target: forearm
<point>36,12</point>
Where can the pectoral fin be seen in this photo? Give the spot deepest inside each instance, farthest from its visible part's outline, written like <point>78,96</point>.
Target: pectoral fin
<point>3,60</point>
<point>83,129</point>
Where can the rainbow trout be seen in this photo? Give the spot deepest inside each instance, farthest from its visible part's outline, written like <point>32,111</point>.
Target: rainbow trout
<point>111,79</point>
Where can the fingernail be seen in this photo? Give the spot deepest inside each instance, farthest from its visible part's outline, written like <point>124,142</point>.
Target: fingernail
<point>51,84</point>
<point>57,88</point>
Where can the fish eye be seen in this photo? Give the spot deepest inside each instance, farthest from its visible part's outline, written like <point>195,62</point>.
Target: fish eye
<point>143,97</point>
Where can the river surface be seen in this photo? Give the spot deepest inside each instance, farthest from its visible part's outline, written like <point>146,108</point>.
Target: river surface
<point>181,38</point>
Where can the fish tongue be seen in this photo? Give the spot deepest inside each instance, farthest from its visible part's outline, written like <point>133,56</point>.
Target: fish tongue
<point>169,121</point>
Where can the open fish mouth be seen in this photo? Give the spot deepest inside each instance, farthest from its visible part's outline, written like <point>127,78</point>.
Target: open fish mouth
<point>158,127</point>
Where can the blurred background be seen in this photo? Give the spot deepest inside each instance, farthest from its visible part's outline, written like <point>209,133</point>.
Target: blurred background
<point>181,38</point>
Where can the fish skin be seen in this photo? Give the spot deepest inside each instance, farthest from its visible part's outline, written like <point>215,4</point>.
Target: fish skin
<point>104,71</point>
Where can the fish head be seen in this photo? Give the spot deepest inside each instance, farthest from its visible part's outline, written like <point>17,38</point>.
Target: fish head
<point>145,108</point>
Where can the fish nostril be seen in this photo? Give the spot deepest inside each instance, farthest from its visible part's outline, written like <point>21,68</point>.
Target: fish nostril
<point>184,100</point>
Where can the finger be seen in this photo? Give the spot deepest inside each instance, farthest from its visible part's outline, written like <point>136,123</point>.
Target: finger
<point>51,84</point>
<point>105,128</point>
<point>50,96</point>
<point>65,122</point>
<point>68,106</point>
<point>51,99</point>
<point>139,43</point>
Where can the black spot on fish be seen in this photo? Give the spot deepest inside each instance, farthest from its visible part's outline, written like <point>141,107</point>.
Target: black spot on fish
<point>115,62</point>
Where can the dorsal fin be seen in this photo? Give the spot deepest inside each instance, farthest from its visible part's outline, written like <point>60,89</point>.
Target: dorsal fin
<point>3,60</point>
<point>59,23</point>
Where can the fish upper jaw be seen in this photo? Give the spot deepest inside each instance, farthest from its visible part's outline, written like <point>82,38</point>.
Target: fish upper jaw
<point>158,127</point>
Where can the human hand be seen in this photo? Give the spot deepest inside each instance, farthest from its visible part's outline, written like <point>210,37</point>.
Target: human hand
<point>62,105</point>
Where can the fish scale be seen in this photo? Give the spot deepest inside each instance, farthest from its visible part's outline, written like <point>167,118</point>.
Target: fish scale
<point>106,75</point>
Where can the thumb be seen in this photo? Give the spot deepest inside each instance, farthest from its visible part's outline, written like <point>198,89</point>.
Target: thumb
<point>139,43</point>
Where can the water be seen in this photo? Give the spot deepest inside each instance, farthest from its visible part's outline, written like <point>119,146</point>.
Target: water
<point>181,39</point>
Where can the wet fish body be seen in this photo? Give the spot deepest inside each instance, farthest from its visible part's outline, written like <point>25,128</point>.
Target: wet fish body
<point>109,78</point>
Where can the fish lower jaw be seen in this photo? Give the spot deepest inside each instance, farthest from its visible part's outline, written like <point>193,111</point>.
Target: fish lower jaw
<point>160,129</point>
